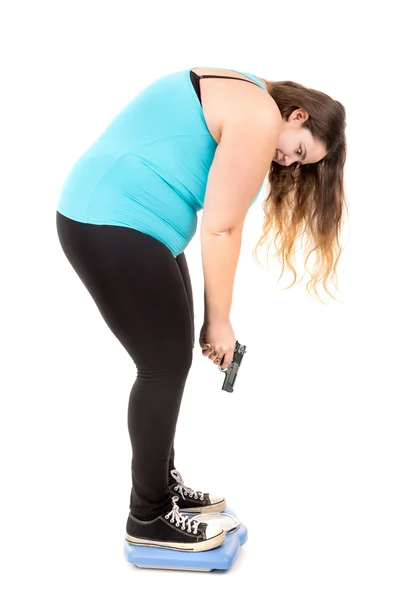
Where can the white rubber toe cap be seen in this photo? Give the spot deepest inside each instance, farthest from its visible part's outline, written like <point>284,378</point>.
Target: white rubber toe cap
<point>216,499</point>
<point>213,531</point>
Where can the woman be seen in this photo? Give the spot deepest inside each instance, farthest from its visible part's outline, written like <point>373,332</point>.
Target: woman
<point>195,139</point>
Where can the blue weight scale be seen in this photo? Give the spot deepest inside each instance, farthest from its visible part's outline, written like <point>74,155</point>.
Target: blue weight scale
<point>221,558</point>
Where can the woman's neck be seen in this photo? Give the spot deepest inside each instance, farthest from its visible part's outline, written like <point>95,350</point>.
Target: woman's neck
<point>267,84</point>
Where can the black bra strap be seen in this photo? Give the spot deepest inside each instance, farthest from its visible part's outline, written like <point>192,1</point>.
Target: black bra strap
<point>226,77</point>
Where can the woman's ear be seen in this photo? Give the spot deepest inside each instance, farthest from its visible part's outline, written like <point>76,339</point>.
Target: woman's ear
<point>300,114</point>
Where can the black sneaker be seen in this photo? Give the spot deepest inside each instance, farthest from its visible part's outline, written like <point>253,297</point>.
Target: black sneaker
<point>174,531</point>
<point>195,502</point>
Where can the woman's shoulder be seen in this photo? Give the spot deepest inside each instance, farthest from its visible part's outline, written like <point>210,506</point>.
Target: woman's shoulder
<point>223,100</point>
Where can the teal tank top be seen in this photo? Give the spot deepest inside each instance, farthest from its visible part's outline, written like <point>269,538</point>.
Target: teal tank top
<point>148,170</point>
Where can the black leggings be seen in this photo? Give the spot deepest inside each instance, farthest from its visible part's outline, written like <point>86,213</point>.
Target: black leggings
<point>145,296</point>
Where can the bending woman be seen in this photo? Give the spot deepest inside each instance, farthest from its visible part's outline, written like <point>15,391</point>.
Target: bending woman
<point>198,139</point>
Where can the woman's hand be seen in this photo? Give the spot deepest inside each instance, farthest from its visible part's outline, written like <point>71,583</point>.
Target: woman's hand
<point>217,341</point>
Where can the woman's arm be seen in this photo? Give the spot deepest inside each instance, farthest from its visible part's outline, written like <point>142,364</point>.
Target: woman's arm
<point>240,165</point>
<point>220,255</point>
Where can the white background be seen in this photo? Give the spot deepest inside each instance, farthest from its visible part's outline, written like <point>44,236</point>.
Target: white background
<point>306,449</point>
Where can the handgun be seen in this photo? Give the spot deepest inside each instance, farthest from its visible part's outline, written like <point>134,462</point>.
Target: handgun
<point>232,370</point>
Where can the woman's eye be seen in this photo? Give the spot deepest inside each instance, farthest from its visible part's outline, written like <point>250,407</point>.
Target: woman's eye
<point>301,152</point>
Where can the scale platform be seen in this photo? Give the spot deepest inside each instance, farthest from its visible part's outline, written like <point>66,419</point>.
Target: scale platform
<point>221,558</point>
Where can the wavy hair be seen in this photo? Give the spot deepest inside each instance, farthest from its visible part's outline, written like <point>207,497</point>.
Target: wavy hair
<point>307,202</point>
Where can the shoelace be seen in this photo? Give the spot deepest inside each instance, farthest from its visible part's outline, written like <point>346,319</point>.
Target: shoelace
<point>179,519</point>
<point>184,489</point>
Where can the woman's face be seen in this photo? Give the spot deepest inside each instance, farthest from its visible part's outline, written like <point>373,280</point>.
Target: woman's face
<point>296,143</point>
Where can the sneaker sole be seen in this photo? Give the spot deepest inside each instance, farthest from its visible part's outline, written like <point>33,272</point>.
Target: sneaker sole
<point>214,542</point>
<point>212,508</point>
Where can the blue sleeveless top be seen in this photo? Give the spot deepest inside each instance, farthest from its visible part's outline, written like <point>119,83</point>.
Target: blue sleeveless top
<point>148,170</point>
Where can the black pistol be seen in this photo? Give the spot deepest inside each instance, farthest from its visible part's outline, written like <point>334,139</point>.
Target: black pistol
<point>232,371</point>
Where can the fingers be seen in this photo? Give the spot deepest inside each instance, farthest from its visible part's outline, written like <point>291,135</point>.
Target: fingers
<point>208,350</point>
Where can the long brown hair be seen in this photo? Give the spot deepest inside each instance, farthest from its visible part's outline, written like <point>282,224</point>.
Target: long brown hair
<point>307,201</point>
